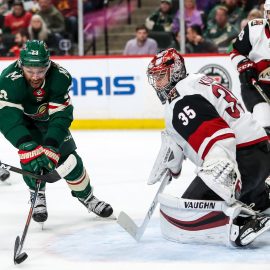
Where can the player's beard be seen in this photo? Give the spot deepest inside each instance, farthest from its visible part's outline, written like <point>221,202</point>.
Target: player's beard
<point>36,83</point>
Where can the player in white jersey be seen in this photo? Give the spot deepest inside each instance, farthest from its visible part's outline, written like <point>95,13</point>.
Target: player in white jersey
<point>207,124</point>
<point>251,57</point>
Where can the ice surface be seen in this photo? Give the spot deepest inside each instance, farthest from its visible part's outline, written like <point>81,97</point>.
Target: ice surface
<point>119,163</point>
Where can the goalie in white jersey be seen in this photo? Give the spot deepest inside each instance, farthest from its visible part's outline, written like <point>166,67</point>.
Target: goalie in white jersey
<point>251,57</point>
<point>207,124</point>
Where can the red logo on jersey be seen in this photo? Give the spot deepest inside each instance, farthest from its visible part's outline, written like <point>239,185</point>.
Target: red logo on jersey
<point>39,93</point>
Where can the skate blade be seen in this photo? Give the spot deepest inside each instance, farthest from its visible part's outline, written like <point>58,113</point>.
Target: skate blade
<point>41,224</point>
<point>111,217</point>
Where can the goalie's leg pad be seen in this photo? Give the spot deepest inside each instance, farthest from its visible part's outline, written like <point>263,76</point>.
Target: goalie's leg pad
<point>78,179</point>
<point>196,221</point>
<point>188,220</point>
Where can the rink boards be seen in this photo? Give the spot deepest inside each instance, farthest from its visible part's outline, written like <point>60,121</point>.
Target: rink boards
<point>113,92</point>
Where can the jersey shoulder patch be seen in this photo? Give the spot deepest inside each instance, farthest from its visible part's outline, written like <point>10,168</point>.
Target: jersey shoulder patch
<point>256,22</point>
<point>174,95</point>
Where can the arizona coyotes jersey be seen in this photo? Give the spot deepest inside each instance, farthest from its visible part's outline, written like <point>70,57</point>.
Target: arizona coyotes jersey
<point>253,42</point>
<point>202,113</point>
<point>48,106</point>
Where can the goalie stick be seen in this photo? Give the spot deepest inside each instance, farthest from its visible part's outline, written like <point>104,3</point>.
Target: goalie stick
<point>129,225</point>
<point>261,92</point>
<point>51,177</point>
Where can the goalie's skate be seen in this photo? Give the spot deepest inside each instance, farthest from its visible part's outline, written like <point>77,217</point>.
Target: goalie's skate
<point>40,213</point>
<point>250,230</point>
<point>96,206</point>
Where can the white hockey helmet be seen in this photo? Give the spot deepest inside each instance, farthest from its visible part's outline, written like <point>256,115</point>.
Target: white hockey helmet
<point>266,9</point>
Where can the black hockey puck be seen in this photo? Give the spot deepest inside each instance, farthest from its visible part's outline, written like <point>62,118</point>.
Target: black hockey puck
<point>20,258</point>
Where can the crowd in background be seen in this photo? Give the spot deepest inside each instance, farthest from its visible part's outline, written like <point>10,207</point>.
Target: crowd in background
<point>210,25</point>
<point>53,21</point>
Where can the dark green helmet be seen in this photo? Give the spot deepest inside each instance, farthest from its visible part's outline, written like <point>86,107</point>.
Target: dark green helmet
<point>35,53</point>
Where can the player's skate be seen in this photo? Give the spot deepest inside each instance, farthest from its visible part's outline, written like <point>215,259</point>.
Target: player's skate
<point>40,213</point>
<point>4,175</point>
<point>96,206</point>
<point>249,229</point>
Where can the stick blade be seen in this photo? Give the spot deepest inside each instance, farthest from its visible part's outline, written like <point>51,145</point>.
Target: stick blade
<point>128,225</point>
<point>18,258</point>
<point>16,247</point>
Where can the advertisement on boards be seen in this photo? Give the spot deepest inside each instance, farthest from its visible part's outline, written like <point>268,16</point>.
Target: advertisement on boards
<point>116,88</point>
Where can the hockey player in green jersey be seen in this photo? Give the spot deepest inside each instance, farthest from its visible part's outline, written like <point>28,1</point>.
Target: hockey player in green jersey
<point>36,113</point>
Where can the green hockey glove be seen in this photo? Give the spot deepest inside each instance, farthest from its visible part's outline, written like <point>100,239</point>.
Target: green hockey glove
<point>33,158</point>
<point>52,153</point>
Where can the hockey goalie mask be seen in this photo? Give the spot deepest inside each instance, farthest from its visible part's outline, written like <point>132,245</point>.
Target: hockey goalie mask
<point>267,10</point>
<point>164,71</point>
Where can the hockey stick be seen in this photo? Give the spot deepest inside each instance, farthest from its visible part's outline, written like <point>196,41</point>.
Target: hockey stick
<point>129,225</point>
<point>261,92</point>
<point>51,177</point>
<point>18,256</point>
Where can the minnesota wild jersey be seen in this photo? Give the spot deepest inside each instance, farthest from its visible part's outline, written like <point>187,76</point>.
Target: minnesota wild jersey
<point>24,109</point>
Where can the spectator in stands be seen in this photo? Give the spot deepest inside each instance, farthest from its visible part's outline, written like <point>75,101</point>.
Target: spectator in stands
<point>69,9</point>
<point>235,13</point>
<point>3,10</point>
<point>141,44</point>
<point>206,5</point>
<point>91,5</point>
<point>17,19</point>
<point>192,16</point>
<point>253,14</point>
<point>248,5</point>
<point>52,16</point>
<point>196,43</point>
<point>3,48</point>
<point>221,32</point>
<point>20,38</point>
<point>38,29</point>
<point>161,19</point>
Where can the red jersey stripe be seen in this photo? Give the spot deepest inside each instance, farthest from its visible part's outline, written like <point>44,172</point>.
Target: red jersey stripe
<point>214,140</point>
<point>241,145</point>
<point>206,129</point>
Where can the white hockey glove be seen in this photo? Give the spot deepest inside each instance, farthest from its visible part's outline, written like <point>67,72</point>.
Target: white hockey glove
<point>223,177</point>
<point>170,157</point>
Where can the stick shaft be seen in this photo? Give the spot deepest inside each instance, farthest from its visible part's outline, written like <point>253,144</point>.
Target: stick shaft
<point>261,92</point>
<point>129,225</point>
<point>30,213</point>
